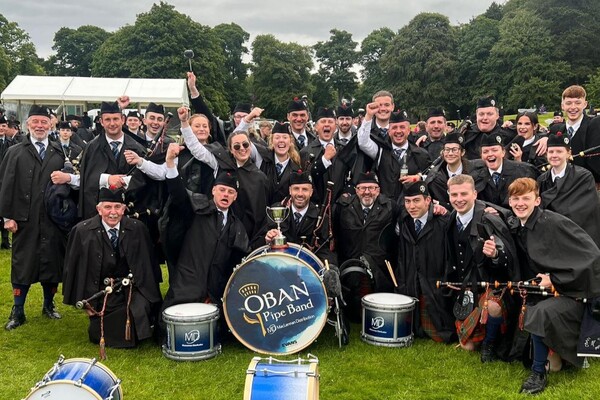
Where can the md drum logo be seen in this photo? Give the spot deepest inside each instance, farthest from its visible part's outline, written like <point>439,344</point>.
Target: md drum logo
<point>191,337</point>
<point>377,322</point>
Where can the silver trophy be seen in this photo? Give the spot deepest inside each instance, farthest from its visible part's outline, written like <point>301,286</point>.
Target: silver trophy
<point>278,215</point>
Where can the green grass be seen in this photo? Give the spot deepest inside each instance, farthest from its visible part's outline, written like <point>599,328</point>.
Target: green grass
<point>359,371</point>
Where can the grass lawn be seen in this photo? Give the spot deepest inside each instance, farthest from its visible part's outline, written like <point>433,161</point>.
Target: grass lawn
<point>358,371</point>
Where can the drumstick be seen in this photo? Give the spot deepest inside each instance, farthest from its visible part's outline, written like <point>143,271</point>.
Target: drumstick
<point>389,267</point>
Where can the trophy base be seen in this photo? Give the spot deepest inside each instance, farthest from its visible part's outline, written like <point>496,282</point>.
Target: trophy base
<point>279,243</point>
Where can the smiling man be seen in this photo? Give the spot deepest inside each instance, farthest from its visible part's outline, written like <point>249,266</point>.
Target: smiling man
<point>492,179</point>
<point>571,266</point>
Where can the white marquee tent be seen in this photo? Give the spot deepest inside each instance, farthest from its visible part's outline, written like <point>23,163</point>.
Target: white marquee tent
<point>65,90</point>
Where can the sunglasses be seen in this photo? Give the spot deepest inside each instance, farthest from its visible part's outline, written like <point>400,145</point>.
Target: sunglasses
<point>238,147</point>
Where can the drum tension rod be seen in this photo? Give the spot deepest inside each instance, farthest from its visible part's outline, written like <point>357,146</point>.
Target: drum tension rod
<point>113,389</point>
<point>87,371</point>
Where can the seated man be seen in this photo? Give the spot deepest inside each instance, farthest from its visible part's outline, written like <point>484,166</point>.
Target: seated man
<point>571,266</point>
<point>110,247</point>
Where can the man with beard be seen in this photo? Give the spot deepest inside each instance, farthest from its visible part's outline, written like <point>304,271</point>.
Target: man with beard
<point>493,178</point>
<point>109,246</point>
<point>435,126</point>
<point>396,161</point>
<point>358,222</point>
<point>479,249</point>
<point>571,266</point>
<point>297,116</point>
<point>329,159</point>
<point>345,130</point>
<point>421,262</point>
<point>303,217</point>
<point>38,244</point>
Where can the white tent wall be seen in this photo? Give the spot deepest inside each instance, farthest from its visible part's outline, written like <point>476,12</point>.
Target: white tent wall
<point>61,91</point>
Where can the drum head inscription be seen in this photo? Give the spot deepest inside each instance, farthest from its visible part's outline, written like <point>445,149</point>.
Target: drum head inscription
<point>275,304</point>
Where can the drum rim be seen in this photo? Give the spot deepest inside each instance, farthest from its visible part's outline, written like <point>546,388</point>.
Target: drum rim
<point>261,250</point>
<point>101,366</point>
<point>69,382</point>
<point>364,300</point>
<point>210,305</point>
<point>242,341</point>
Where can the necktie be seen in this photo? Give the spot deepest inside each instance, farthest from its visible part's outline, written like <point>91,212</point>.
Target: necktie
<point>383,132</point>
<point>220,220</point>
<point>297,218</point>
<point>65,148</point>
<point>301,141</point>
<point>459,225</point>
<point>418,226</point>
<point>496,178</point>
<point>279,167</point>
<point>366,213</point>
<point>344,141</point>
<point>115,148</point>
<point>42,151</point>
<point>114,239</point>
<point>570,132</point>
<point>398,154</point>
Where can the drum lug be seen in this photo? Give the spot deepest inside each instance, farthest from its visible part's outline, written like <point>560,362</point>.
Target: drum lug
<point>87,371</point>
<point>112,390</point>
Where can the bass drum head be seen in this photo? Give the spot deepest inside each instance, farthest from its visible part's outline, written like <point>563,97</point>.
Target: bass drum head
<point>63,390</point>
<point>275,303</point>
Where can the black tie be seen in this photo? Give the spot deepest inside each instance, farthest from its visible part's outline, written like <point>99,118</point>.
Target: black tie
<point>398,154</point>
<point>114,238</point>
<point>383,132</point>
<point>459,225</point>
<point>115,148</point>
<point>301,140</point>
<point>366,213</point>
<point>42,151</point>
<point>496,178</point>
<point>297,218</point>
<point>220,220</point>
<point>279,167</point>
<point>570,132</point>
<point>418,226</point>
<point>344,141</point>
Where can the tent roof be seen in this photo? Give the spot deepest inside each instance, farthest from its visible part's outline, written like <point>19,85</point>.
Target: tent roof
<point>75,90</point>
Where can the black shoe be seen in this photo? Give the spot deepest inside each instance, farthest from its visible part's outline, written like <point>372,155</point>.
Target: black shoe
<point>535,383</point>
<point>5,246</point>
<point>50,312</point>
<point>16,319</point>
<point>488,353</point>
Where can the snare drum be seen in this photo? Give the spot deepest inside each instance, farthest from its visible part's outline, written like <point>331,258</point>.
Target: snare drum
<point>387,319</point>
<point>294,250</point>
<point>268,378</point>
<point>275,304</point>
<point>77,379</point>
<point>191,332</point>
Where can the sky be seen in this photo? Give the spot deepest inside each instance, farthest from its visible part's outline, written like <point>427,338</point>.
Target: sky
<point>304,22</point>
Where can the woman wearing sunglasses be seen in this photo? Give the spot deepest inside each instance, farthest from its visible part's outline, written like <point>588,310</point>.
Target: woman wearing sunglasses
<point>253,193</point>
<point>278,160</point>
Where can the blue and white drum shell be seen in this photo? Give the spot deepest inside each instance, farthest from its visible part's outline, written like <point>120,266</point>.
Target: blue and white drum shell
<point>294,250</point>
<point>77,379</point>
<point>387,319</point>
<point>275,303</point>
<point>192,333</point>
<point>271,379</point>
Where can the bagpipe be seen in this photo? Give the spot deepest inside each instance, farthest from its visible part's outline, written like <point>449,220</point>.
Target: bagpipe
<point>113,285</point>
<point>529,286</point>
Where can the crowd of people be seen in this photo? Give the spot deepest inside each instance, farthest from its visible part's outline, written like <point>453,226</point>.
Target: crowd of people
<point>457,207</point>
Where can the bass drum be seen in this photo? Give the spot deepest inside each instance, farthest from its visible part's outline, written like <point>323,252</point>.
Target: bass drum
<point>275,303</point>
<point>294,250</point>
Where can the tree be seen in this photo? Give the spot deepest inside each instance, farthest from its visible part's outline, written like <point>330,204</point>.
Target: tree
<point>521,67</point>
<point>420,66</point>
<point>232,38</point>
<point>280,72</point>
<point>592,88</point>
<point>18,56</point>
<point>153,48</point>
<point>372,48</point>
<point>75,49</point>
<point>324,95</point>
<point>337,56</point>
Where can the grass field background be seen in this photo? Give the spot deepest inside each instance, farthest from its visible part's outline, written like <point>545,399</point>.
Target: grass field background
<point>358,371</point>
